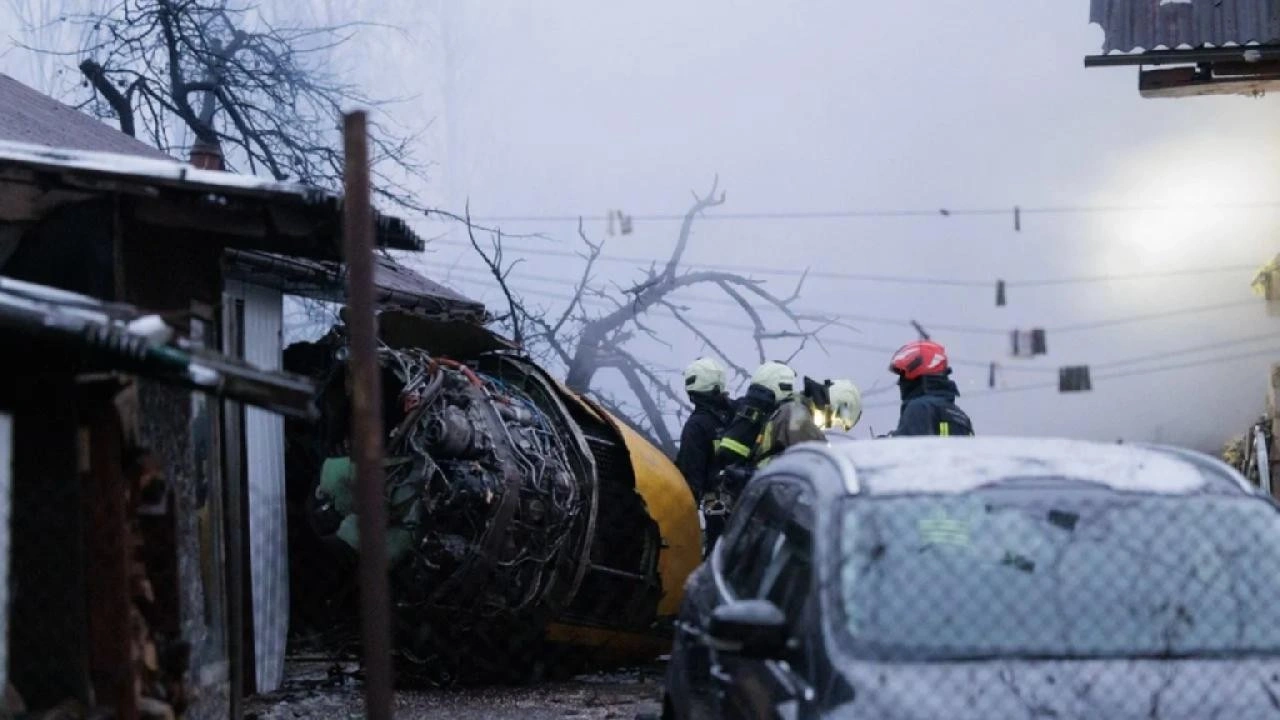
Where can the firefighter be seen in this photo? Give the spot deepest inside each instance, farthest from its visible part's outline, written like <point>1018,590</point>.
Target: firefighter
<point>771,384</point>
<point>712,411</point>
<point>805,416</point>
<point>846,405</point>
<point>928,394</point>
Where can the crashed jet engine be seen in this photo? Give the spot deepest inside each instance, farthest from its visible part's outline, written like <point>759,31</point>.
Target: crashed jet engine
<point>527,527</point>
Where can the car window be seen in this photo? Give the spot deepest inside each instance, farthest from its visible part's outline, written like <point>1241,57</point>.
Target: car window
<point>769,557</point>
<point>787,577</point>
<point>1081,574</point>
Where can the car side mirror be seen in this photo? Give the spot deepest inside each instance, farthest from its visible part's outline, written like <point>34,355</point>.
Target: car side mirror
<point>750,628</point>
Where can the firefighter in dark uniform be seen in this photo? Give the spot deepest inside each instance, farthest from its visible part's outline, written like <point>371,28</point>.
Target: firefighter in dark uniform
<point>772,383</point>
<point>928,394</point>
<point>712,411</point>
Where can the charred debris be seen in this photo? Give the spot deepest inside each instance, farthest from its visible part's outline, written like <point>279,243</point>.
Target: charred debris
<point>512,509</point>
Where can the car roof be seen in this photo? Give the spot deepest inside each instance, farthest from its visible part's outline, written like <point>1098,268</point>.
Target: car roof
<point>934,465</point>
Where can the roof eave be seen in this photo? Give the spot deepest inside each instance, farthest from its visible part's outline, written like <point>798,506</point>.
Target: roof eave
<point>188,195</point>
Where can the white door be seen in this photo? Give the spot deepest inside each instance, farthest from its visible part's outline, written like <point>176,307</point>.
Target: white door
<point>264,466</point>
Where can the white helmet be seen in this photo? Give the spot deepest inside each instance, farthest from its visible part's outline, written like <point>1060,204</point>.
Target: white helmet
<point>846,403</point>
<point>704,375</point>
<point>777,377</point>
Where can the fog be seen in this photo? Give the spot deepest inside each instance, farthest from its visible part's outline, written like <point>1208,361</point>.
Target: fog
<point>557,109</point>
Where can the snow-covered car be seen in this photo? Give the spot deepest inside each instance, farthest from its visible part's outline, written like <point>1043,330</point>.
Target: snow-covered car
<point>978,578</point>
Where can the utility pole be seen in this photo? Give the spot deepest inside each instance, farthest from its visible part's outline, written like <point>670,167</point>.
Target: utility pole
<point>366,420</point>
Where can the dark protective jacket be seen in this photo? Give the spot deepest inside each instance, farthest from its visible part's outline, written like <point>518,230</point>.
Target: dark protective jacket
<point>791,424</point>
<point>929,408</point>
<point>739,439</point>
<point>696,456</point>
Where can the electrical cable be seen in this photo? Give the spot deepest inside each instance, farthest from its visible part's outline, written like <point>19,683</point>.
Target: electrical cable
<point>889,279</point>
<point>945,327</point>
<point>886,350</point>
<point>941,212</point>
<point>677,297</point>
<point>1111,376</point>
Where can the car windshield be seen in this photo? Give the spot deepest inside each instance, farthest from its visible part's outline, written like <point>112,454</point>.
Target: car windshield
<point>1036,573</point>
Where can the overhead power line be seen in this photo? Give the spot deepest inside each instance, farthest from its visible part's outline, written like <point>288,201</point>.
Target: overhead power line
<point>896,322</point>
<point>1112,376</point>
<point>1164,314</point>
<point>742,327</point>
<point>1182,352</point>
<point>852,213</point>
<point>888,350</point>
<point>889,279</point>
<point>563,281</point>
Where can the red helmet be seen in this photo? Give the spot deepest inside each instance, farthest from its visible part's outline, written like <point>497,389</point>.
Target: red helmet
<point>919,358</point>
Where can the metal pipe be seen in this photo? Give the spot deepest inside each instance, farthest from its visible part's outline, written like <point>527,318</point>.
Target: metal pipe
<point>1243,53</point>
<point>366,419</point>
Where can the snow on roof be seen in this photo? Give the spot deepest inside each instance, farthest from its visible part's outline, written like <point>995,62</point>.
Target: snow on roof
<point>954,465</point>
<point>91,171</point>
<point>159,168</point>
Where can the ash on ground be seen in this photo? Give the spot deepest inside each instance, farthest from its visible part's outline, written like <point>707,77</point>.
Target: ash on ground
<point>328,689</point>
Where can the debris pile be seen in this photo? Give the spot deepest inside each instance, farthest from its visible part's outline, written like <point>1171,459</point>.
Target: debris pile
<point>485,499</point>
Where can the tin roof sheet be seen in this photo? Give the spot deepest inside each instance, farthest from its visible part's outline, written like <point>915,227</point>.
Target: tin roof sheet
<point>1144,25</point>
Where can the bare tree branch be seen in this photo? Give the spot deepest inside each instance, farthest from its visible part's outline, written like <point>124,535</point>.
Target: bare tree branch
<point>592,255</point>
<point>586,343</point>
<point>727,359</point>
<point>500,274</point>
<point>262,94</point>
<point>118,101</point>
<point>650,407</point>
<point>700,204</point>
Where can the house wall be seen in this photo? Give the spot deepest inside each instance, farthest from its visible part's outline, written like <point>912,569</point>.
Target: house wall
<point>178,274</point>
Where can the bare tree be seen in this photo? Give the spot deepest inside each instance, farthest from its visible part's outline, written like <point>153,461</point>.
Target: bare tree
<point>216,74</point>
<point>586,341</point>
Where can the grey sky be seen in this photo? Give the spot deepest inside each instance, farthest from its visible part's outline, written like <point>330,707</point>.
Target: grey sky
<point>576,106</point>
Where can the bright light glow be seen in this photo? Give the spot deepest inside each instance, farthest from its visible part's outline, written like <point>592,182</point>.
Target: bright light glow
<point>820,418</point>
<point>1185,184</point>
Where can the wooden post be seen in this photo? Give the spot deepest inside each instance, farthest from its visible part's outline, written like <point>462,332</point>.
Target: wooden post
<point>366,420</point>
<point>111,641</point>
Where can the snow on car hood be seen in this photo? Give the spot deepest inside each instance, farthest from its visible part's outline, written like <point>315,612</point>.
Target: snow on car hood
<point>956,465</point>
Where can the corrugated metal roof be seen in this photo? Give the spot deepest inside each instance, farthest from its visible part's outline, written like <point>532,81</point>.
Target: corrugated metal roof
<point>1185,24</point>
<point>29,116</point>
